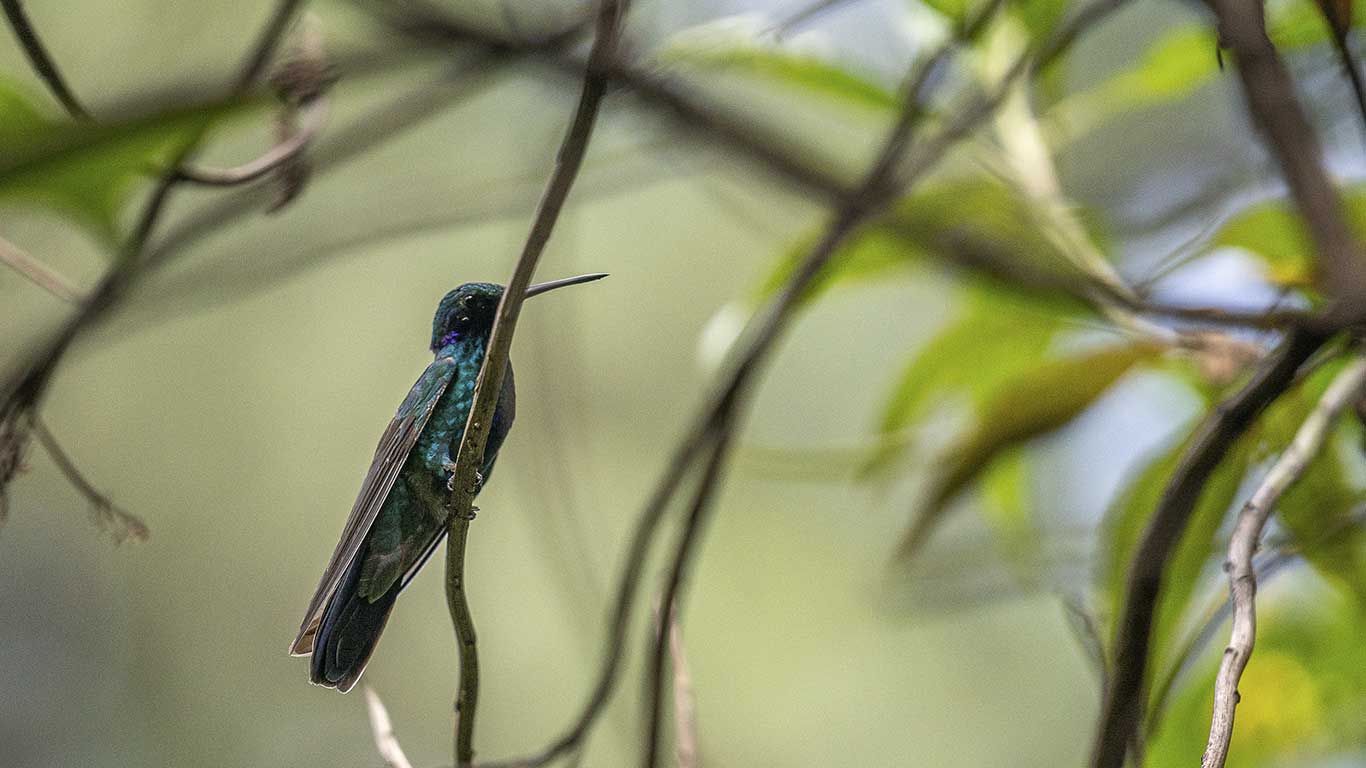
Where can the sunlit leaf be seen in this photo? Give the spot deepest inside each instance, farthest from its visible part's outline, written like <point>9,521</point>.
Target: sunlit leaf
<point>924,225</point>
<point>86,170</point>
<point>1042,399</point>
<point>1300,697</point>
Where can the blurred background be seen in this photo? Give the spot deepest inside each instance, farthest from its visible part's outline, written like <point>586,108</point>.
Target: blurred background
<point>234,400</point>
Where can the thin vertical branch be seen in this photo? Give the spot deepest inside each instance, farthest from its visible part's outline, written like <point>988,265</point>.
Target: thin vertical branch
<point>667,629</point>
<point>470,455</point>
<point>1345,389</point>
<point>40,59</point>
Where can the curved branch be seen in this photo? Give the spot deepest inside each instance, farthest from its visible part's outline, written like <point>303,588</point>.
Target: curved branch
<point>1247,531</point>
<point>312,119</point>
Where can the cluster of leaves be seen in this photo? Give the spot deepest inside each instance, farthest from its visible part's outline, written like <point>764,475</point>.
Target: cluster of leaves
<point>1019,363</point>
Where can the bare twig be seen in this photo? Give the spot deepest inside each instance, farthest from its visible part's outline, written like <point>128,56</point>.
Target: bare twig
<point>470,455</point>
<point>685,703</point>
<point>108,515</point>
<point>386,741</point>
<point>312,118</point>
<point>38,273</point>
<point>1345,389</point>
<point>39,58</point>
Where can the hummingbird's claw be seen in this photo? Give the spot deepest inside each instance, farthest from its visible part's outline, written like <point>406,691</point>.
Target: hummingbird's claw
<point>474,512</point>
<point>478,483</point>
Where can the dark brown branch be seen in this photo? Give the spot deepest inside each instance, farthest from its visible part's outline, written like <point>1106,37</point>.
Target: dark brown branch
<point>470,456</point>
<point>1122,709</point>
<point>108,515</point>
<point>41,61</point>
<point>1276,111</point>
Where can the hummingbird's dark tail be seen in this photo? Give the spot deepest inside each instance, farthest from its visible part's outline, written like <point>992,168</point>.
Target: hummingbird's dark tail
<point>349,630</point>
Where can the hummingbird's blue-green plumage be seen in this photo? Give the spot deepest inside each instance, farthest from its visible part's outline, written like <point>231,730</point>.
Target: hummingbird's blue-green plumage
<point>400,516</point>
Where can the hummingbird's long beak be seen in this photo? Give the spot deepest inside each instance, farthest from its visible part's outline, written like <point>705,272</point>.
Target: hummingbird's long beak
<point>551,285</point>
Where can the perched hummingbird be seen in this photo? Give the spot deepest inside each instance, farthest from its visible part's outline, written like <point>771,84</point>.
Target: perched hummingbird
<point>400,516</point>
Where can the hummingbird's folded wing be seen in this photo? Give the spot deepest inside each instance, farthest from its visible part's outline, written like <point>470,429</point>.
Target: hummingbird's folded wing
<point>394,446</point>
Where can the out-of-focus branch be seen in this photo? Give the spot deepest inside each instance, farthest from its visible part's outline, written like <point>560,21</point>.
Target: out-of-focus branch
<point>108,515</point>
<point>22,393</point>
<point>1345,389</point>
<point>1276,111</point>
<point>685,703</point>
<point>39,58</point>
<point>312,118</point>
<point>386,741</point>
<point>470,456</point>
<point>38,273</point>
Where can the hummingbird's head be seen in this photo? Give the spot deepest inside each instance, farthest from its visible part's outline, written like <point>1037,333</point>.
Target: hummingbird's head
<point>468,311</point>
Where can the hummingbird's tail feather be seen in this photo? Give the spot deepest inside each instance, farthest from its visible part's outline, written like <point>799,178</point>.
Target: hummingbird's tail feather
<point>349,630</point>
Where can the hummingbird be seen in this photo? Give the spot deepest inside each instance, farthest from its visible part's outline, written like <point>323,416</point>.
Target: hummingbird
<point>400,516</point>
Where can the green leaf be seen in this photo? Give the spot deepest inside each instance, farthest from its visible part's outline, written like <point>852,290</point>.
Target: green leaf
<point>1046,397</point>
<point>1273,232</point>
<point>1300,698</point>
<point>19,119</point>
<point>87,170</point>
<point>776,66</point>
<point>994,341</point>
<point>1128,517</point>
<point>925,225</point>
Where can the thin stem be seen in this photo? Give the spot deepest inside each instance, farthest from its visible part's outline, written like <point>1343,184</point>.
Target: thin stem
<point>41,61</point>
<point>467,696</point>
<point>668,620</point>
<point>314,116</point>
<point>1345,389</point>
<point>108,515</point>
<point>470,455</point>
<point>38,273</point>
<point>382,729</point>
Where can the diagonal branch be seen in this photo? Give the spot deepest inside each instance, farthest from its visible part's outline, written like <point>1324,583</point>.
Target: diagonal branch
<point>1247,531</point>
<point>312,119</point>
<point>38,273</point>
<point>40,59</point>
<point>470,455</point>
<point>108,515</point>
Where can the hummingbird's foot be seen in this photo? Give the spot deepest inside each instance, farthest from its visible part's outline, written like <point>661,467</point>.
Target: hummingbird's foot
<point>474,512</point>
<point>478,483</point>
